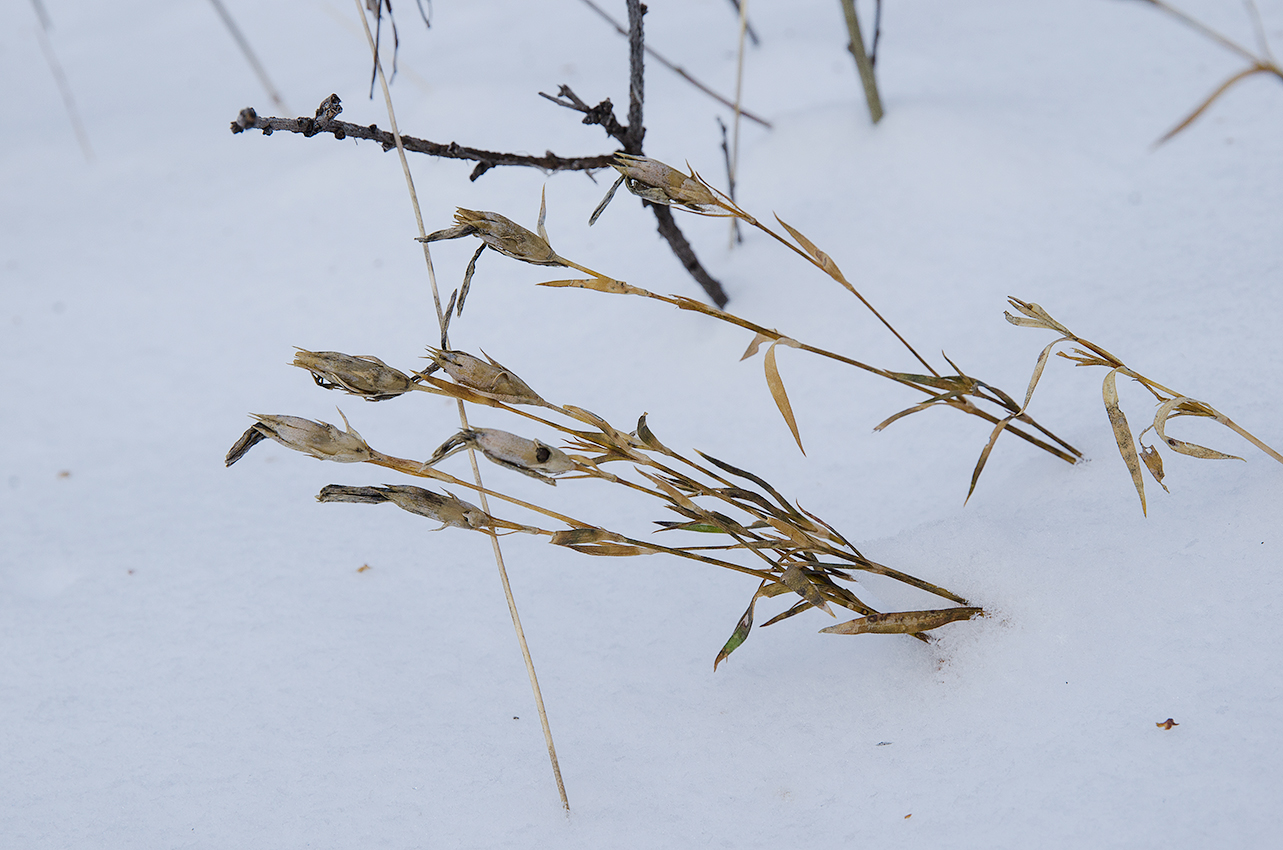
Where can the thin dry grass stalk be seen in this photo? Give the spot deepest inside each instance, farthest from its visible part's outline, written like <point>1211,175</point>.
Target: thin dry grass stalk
<point>1171,404</point>
<point>762,534</point>
<point>1262,62</point>
<point>659,183</point>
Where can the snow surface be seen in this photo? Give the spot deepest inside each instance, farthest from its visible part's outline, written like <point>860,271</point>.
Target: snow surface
<point>192,659</point>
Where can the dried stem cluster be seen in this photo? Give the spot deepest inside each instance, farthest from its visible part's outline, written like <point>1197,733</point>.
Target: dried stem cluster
<point>787,548</point>
<point>1171,404</point>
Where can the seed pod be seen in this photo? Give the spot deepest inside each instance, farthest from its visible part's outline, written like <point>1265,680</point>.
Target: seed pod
<point>663,184</point>
<point>446,509</point>
<point>321,440</point>
<point>491,378</point>
<point>368,377</point>
<point>529,457</point>
<point>502,234</point>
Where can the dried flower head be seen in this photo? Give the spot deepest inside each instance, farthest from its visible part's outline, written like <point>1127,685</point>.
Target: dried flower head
<point>447,509</point>
<point>663,184</point>
<point>368,377</point>
<point>500,233</point>
<point>321,440</point>
<point>491,378</point>
<point>529,457</point>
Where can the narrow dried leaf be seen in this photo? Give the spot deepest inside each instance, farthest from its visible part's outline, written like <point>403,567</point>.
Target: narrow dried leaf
<point>601,284</point>
<point>776,386</point>
<point>795,579</point>
<point>824,260</point>
<point>1154,463</point>
<point>1181,406</point>
<point>917,407</point>
<point>984,455</point>
<point>592,219</point>
<point>1202,107</point>
<point>792,612</point>
<point>1037,373</point>
<point>1035,311</point>
<point>543,212</point>
<point>1123,435</point>
<point>755,345</point>
<point>902,622</point>
<point>467,280</point>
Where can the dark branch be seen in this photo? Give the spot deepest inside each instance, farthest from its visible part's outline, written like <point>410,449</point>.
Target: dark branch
<point>636,79</point>
<point>669,230</point>
<point>324,122</point>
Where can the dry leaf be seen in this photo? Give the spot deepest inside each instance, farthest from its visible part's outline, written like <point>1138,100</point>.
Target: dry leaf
<point>902,622</point>
<point>1167,724</point>
<point>1123,435</point>
<point>824,260</point>
<point>1154,463</point>
<point>776,386</point>
<point>1181,406</point>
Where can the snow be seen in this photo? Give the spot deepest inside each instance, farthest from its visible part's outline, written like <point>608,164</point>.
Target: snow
<point>192,659</point>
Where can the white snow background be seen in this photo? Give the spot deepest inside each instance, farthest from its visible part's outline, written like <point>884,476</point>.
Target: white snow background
<point>190,657</point>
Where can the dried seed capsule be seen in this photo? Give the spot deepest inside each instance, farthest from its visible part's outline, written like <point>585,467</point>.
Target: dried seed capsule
<point>321,440</point>
<point>446,509</point>
<point>368,377</point>
<point>529,457</point>
<point>502,234</point>
<point>663,184</point>
<point>491,378</point>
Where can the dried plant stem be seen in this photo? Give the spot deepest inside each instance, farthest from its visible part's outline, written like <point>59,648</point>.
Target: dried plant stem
<point>676,69</point>
<point>733,158</point>
<point>463,420</point>
<point>862,63</point>
<point>1171,404</point>
<point>250,56</point>
<point>1263,63</point>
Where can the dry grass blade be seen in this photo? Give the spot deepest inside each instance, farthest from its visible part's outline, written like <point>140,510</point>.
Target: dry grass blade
<point>1123,435</point>
<point>902,622</point>
<point>1212,98</point>
<point>823,260</point>
<point>1154,463</point>
<point>1181,406</point>
<point>776,385</point>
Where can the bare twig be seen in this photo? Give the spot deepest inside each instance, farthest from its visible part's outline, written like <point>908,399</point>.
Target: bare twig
<point>485,160</point>
<point>636,80</point>
<point>677,69</point>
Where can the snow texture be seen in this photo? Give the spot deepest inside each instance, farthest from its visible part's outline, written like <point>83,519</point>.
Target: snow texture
<point>191,657</point>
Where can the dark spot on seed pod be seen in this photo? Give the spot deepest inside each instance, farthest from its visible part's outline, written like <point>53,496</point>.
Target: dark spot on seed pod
<point>542,454</point>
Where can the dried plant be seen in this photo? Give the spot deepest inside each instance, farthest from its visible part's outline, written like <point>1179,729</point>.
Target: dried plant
<point>659,183</point>
<point>1262,62</point>
<point>1171,404</point>
<point>763,534</point>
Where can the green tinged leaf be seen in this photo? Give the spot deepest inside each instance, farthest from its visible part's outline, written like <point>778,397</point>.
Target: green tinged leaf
<point>766,589</point>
